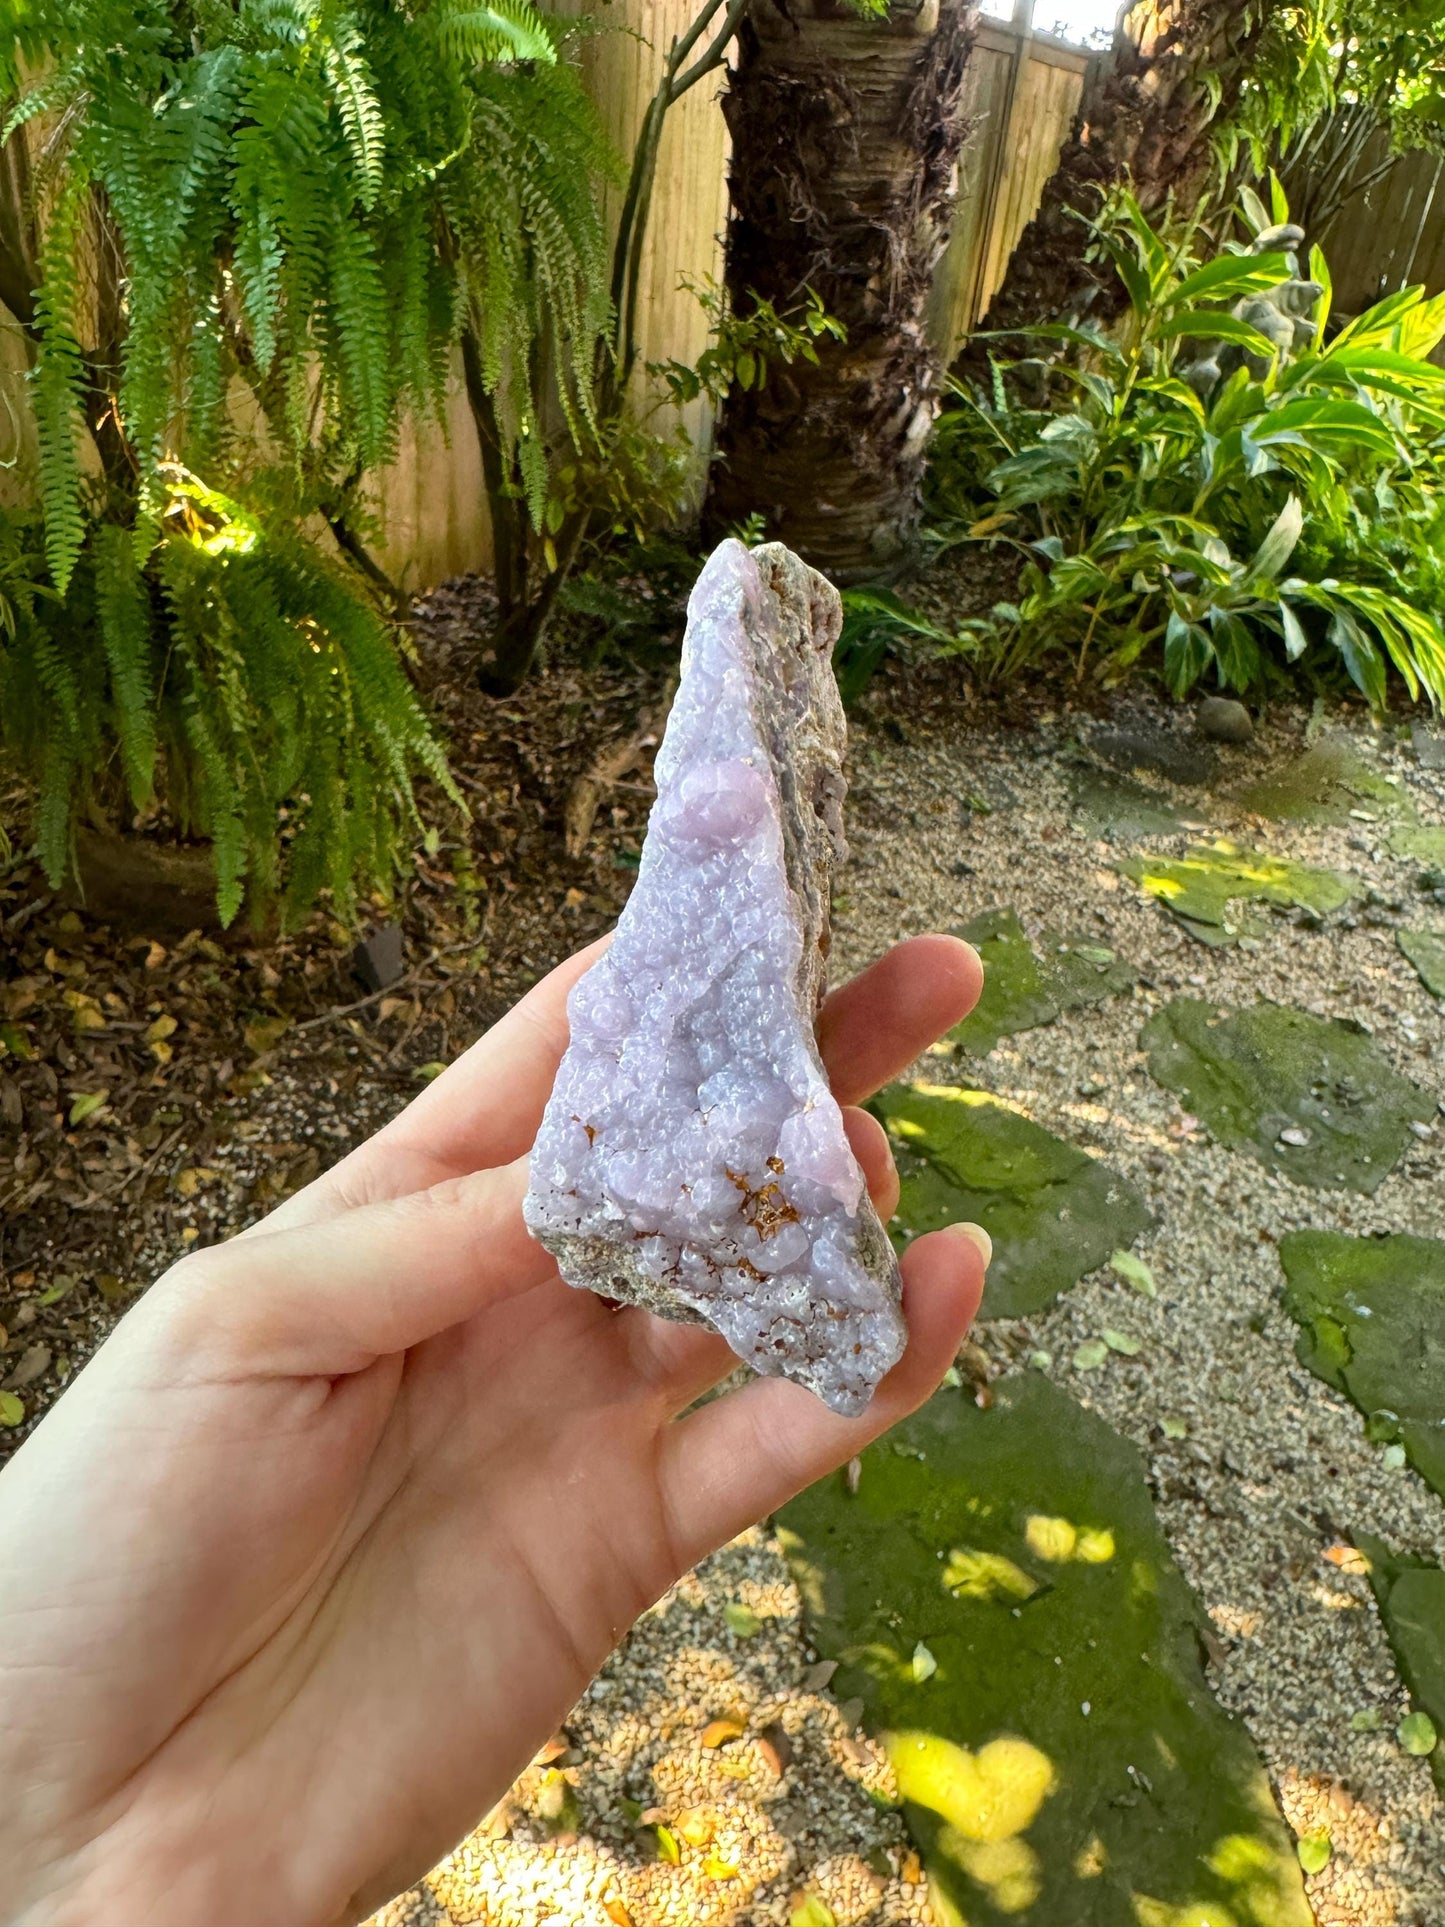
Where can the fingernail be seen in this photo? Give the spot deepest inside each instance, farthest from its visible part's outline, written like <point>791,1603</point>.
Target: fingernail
<point>979,1239</point>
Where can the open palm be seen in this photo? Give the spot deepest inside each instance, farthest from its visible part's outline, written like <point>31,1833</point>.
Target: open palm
<point>336,1527</point>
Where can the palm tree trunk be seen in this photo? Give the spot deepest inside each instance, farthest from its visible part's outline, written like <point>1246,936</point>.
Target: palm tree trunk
<point>1146,116</point>
<point>846,133</point>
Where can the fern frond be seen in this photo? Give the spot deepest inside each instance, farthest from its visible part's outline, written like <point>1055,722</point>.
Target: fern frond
<point>508,30</point>
<point>59,381</point>
<point>124,610</point>
<point>361,119</point>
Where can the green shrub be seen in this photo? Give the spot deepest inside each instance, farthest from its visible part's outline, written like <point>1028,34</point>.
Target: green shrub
<point>257,230</point>
<point>1223,486</point>
<point>286,728</point>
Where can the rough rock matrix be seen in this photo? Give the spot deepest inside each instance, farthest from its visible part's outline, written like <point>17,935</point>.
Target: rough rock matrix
<point>692,1158</point>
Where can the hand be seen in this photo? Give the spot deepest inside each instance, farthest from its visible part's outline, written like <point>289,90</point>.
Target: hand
<point>335,1528</point>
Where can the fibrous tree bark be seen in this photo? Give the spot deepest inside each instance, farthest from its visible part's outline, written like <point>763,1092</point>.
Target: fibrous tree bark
<point>1146,117</point>
<point>846,133</point>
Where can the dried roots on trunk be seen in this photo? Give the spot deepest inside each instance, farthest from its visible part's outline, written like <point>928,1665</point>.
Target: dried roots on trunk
<point>1147,116</point>
<point>846,132</point>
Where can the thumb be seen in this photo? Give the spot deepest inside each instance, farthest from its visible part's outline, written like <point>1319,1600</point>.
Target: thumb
<point>333,1296</point>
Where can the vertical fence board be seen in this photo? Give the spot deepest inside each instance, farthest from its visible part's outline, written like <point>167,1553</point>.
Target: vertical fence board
<point>986,83</point>
<point>1023,95</point>
<point>1392,236</point>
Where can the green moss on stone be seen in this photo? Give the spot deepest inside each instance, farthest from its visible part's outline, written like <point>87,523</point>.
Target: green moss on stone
<point>1411,1597</point>
<point>1024,987</point>
<point>1426,950</point>
<point>1328,784</point>
<point>1202,888</point>
<point>1064,1760</point>
<point>1372,1312</point>
<point>1308,1096</point>
<point>1053,1212</point>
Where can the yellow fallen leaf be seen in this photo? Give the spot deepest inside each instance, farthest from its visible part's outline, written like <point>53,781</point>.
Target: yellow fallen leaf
<point>716,1868</point>
<point>164,1026</point>
<point>719,1732</point>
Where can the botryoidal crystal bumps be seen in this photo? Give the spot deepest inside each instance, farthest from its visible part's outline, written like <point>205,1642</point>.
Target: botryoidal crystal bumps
<point>692,1159</point>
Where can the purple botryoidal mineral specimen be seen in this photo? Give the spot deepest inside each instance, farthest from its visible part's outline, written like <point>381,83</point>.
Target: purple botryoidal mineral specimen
<point>692,1159</point>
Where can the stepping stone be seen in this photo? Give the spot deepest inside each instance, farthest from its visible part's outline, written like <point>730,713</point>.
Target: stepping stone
<point>1201,888</point>
<point>1421,840</point>
<point>1308,1096</point>
<point>1053,1212</point>
<point>999,1595</point>
<point>1330,783</point>
<point>1119,808</point>
<point>1024,988</point>
<point>1372,1318</point>
<point>1426,950</point>
<point>1157,751</point>
<point>1411,1596</point>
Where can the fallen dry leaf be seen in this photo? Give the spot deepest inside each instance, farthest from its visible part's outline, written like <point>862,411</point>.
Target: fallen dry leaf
<point>719,1732</point>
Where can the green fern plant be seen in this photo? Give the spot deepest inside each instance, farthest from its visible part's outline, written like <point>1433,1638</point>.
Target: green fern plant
<point>309,202</point>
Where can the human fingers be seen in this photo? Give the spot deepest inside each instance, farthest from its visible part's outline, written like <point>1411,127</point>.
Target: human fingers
<point>872,1028</point>
<point>741,1457</point>
<point>483,1110</point>
<point>330,1297</point>
<point>875,1155</point>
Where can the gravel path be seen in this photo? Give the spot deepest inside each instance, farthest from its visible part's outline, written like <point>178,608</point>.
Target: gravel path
<point>1275,1469</point>
<point>1261,1475</point>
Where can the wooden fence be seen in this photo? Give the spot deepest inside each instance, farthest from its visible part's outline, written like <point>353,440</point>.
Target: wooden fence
<point>1392,236</point>
<point>432,507</point>
<point>1023,93</point>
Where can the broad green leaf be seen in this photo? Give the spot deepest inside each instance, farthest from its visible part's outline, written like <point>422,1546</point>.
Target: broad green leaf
<point>1295,639</point>
<point>12,1409</point>
<point>1281,542</point>
<point>1256,219</point>
<point>1230,276</point>
<point>1136,281</point>
<point>1320,272</point>
<point>1361,658</point>
<point>1188,652</point>
<point>1204,326</point>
